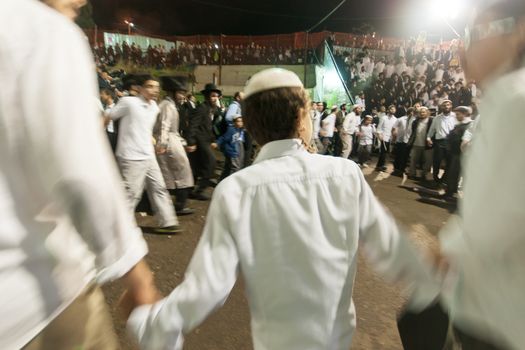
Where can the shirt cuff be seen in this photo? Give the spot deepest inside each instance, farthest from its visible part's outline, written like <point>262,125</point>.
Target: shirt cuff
<point>152,331</point>
<point>136,250</point>
<point>137,321</point>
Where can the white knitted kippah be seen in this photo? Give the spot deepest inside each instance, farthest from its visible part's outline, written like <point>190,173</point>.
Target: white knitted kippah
<point>272,78</point>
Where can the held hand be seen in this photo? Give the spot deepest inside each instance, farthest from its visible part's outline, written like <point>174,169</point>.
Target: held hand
<point>214,145</point>
<point>429,143</point>
<point>128,301</point>
<point>440,262</point>
<point>191,149</point>
<point>140,289</point>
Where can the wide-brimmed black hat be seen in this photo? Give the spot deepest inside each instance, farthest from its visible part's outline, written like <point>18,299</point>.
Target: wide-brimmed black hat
<point>209,88</point>
<point>171,83</point>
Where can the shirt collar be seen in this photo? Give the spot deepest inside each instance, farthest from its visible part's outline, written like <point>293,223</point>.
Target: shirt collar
<point>281,148</point>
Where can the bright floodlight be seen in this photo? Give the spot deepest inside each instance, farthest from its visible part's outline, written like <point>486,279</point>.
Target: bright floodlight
<point>216,46</point>
<point>331,79</point>
<point>447,9</point>
<point>132,25</point>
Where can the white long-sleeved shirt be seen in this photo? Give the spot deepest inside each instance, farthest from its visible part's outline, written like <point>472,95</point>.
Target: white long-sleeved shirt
<point>366,136</point>
<point>442,126</point>
<point>385,126</point>
<point>63,214</point>
<point>137,119</point>
<point>316,123</point>
<point>403,127</point>
<point>328,126</point>
<point>486,244</point>
<point>111,125</point>
<point>291,224</point>
<point>233,110</point>
<point>351,123</point>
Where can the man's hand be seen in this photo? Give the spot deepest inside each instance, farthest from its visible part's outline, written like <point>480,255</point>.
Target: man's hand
<point>191,149</point>
<point>140,289</point>
<point>429,143</point>
<point>214,145</point>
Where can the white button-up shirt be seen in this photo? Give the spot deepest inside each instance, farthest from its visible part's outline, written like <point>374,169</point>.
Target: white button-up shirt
<point>486,246</point>
<point>137,118</point>
<point>403,127</point>
<point>386,124</point>
<point>442,126</point>
<point>366,136</point>
<point>351,123</point>
<point>63,214</point>
<point>316,123</point>
<point>328,126</point>
<point>291,224</point>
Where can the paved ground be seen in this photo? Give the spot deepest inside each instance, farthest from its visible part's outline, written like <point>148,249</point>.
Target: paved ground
<point>377,303</point>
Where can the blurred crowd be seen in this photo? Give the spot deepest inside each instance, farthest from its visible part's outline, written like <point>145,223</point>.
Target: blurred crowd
<point>200,54</point>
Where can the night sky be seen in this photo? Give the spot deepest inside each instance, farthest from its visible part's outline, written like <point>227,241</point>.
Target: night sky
<point>186,17</point>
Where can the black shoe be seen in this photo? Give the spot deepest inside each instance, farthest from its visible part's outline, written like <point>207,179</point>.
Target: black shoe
<point>167,230</point>
<point>199,196</point>
<point>185,211</point>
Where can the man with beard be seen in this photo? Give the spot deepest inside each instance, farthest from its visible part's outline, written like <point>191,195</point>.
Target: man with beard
<point>442,125</point>
<point>350,124</point>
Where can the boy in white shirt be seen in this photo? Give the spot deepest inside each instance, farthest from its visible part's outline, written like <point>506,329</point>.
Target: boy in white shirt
<point>366,140</point>
<point>291,224</point>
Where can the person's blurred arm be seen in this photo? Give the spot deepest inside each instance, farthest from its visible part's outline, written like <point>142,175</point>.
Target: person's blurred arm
<point>58,142</point>
<point>120,109</point>
<point>207,283</point>
<point>431,132</point>
<point>390,252</point>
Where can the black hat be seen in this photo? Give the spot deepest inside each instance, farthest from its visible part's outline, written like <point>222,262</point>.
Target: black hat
<point>209,88</point>
<point>170,83</point>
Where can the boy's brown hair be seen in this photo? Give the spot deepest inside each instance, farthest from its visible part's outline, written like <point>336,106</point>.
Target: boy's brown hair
<point>272,115</point>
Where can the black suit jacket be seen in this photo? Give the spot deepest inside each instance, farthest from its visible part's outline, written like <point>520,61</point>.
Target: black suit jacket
<point>200,128</point>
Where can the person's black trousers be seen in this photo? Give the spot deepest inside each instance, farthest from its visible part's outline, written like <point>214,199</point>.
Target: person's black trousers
<point>203,165</point>
<point>453,174</point>
<point>401,151</point>
<point>440,154</point>
<point>384,148</point>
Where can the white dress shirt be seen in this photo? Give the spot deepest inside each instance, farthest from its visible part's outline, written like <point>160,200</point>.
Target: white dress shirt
<point>137,118</point>
<point>486,245</point>
<point>442,126</point>
<point>386,124</point>
<point>111,125</point>
<point>421,132</point>
<point>291,224</point>
<point>316,123</point>
<point>367,134</point>
<point>328,126</point>
<point>63,214</point>
<point>351,123</point>
<point>402,129</point>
